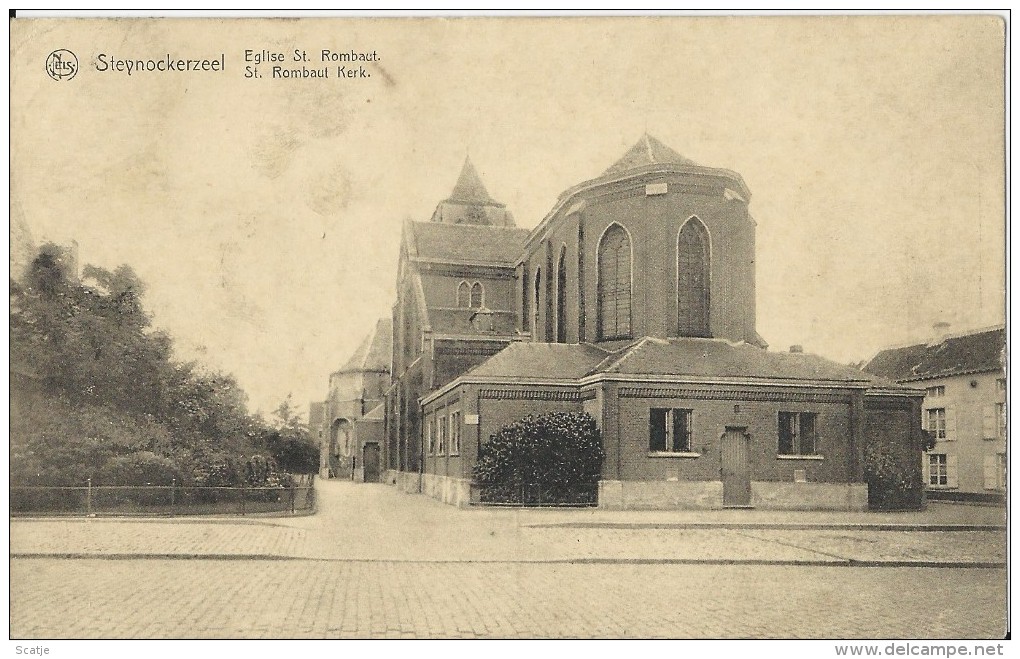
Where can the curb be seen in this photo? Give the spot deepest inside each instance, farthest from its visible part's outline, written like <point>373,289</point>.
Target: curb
<point>842,562</point>
<point>796,526</point>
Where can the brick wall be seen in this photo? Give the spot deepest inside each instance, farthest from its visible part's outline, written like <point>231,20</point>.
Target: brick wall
<point>709,422</point>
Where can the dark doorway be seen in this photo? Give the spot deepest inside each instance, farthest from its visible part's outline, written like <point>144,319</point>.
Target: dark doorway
<point>736,469</point>
<point>371,462</point>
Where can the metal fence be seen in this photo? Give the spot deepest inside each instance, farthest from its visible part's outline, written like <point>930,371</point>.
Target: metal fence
<point>538,495</point>
<point>162,500</point>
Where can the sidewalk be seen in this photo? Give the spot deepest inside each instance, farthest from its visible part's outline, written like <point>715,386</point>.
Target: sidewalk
<point>377,523</point>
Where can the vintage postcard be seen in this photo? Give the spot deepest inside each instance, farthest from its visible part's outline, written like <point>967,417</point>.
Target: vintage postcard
<point>503,327</point>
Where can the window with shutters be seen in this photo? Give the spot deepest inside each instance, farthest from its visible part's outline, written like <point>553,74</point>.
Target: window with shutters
<point>994,421</point>
<point>669,430</point>
<point>941,470</point>
<point>441,436</point>
<point>477,295</point>
<point>615,283</point>
<point>561,297</point>
<point>995,471</point>
<point>797,433</point>
<point>693,274</point>
<point>936,422</point>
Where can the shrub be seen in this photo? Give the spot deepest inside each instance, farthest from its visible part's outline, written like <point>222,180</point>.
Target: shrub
<point>552,458</point>
<point>893,474</point>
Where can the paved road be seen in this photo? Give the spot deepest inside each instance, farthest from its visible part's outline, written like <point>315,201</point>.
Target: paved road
<point>377,563</point>
<point>53,598</point>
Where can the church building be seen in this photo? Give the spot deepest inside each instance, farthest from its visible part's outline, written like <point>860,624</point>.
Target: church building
<point>632,300</point>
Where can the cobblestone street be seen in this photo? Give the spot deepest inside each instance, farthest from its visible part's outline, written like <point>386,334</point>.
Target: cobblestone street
<point>377,563</point>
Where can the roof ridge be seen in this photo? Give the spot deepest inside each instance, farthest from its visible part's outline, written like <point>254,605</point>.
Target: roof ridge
<point>628,353</point>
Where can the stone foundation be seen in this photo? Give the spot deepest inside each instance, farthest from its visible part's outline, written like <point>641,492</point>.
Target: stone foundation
<point>660,495</point>
<point>809,496</point>
<point>708,495</point>
<point>453,491</point>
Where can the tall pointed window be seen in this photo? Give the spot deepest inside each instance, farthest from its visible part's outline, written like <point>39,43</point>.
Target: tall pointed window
<point>525,306</point>
<point>538,304</point>
<point>561,297</point>
<point>477,295</point>
<point>614,291</point>
<point>693,274</point>
<point>463,294</point>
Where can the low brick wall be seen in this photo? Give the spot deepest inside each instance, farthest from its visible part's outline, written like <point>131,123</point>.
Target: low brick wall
<point>453,491</point>
<point>809,496</point>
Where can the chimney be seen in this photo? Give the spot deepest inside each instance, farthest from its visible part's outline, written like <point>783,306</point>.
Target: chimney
<point>939,331</point>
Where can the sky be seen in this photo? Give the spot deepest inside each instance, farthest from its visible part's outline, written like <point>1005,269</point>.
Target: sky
<point>264,214</point>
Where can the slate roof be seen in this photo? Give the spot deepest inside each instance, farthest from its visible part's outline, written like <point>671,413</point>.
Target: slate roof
<point>647,151</point>
<point>956,355</point>
<point>716,358</point>
<point>468,242</point>
<point>699,358</point>
<point>557,361</point>
<point>375,414</point>
<point>374,352</point>
<point>469,188</point>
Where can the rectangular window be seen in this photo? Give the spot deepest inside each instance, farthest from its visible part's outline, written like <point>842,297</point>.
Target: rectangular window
<point>430,430</point>
<point>1000,418</point>
<point>455,433</point>
<point>669,430</point>
<point>1001,384</point>
<point>1000,462</point>
<point>937,422</point>
<point>797,434</point>
<point>441,436</point>
<point>936,392</point>
<point>938,469</point>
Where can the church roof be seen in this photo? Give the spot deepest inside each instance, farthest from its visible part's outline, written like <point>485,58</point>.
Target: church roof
<point>647,151</point>
<point>374,352</point>
<point>469,188</point>
<point>559,361</point>
<point>469,243</point>
<point>375,414</point>
<point>975,352</point>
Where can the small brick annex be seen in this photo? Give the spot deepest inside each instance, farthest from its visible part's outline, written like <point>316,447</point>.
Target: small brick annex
<point>633,300</point>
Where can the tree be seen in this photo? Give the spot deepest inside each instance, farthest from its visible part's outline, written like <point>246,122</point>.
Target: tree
<point>290,441</point>
<point>115,407</point>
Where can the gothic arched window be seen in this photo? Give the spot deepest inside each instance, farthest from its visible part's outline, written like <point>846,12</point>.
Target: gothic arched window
<point>477,295</point>
<point>538,302</point>
<point>614,289</point>
<point>463,294</point>
<point>692,279</point>
<point>561,297</point>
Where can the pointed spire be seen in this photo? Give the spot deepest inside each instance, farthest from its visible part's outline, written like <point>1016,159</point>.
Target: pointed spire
<point>469,188</point>
<point>647,151</point>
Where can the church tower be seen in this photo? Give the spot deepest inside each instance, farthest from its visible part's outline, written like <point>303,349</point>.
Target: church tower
<point>470,203</point>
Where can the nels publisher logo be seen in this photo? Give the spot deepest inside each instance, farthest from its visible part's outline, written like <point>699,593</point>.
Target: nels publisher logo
<point>62,64</point>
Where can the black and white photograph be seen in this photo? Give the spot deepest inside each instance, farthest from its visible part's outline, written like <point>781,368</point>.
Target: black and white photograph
<point>509,326</point>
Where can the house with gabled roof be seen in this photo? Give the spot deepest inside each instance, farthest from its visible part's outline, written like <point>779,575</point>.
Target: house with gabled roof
<point>632,300</point>
<point>963,375</point>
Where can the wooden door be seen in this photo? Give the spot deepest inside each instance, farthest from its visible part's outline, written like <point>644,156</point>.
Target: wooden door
<point>736,468</point>
<point>371,463</point>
